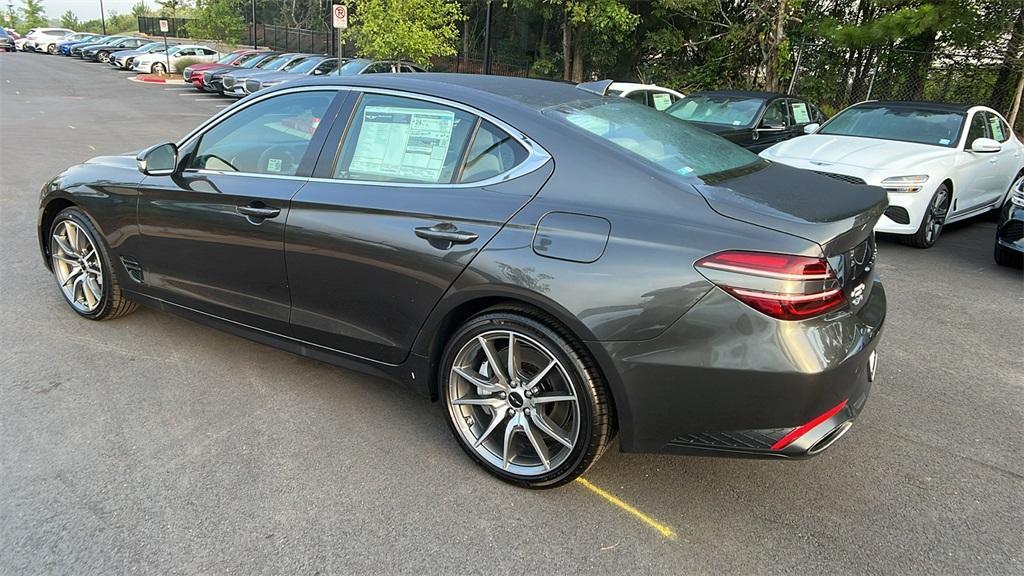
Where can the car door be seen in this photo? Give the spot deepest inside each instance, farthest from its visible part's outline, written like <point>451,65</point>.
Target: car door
<point>212,234</point>
<point>1009,161</point>
<point>773,127</point>
<point>975,171</point>
<point>417,187</point>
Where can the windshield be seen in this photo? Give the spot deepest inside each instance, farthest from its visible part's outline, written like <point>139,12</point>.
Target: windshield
<point>274,63</point>
<point>173,50</point>
<point>352,68</point>
<point>291,66</point>
<point>151,46</point>
<point>717,109</point>
<point>669,143</point>
<point>306,65</point>
<point>903,124</point>
<point>256,61</point>
<point>227,58</point>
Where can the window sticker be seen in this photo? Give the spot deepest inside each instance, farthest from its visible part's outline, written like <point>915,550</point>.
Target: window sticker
<point>997,128</point>
<point>405,143</point>
<point>944,141</point>
<point>661,100</point>
<point>800,114</point>
<point>274,165</point>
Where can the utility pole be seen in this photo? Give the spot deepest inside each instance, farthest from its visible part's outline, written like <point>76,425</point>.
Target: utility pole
<point>254,46</point>
<point>103,19</point>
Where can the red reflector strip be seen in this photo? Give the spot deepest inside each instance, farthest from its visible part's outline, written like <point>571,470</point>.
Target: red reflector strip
<point>800,431</point>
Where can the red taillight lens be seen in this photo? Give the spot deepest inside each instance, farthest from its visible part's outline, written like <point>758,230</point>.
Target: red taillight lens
<point>782,286</point>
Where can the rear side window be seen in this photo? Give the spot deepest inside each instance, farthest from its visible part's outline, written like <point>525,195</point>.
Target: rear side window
<point>395,139</point>
<point>665,141</point>
<point>492,152</point>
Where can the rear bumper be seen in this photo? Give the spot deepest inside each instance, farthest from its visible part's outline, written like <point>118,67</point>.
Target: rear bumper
<point>726,380</point>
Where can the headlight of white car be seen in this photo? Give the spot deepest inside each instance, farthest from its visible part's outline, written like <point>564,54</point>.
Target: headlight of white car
<point>905,183</point>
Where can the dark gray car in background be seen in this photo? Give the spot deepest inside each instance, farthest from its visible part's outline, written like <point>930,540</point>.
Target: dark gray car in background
<point>554,265</point>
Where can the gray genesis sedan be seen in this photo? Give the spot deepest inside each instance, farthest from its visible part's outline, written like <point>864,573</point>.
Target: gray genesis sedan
<point>552,264</point>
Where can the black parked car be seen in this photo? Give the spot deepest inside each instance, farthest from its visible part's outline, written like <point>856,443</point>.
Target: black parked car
<point>1009,249</point>
<point>754,120</point>
<point>101,52</point>
<point>484,241</point>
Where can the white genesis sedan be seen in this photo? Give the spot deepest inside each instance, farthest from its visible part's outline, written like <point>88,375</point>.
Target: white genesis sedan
<point>939,162</point>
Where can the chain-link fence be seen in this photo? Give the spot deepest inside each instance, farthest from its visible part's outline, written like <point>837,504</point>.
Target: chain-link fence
<point>835,78</point>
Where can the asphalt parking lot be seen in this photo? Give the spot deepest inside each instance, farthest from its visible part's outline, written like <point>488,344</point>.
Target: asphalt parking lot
<point>154,445</point>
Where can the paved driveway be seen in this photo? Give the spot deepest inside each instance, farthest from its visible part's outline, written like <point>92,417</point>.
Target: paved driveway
<point>155,445</point>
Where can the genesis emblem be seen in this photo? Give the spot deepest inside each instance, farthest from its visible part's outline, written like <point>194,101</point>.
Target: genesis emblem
<point>857,295</point>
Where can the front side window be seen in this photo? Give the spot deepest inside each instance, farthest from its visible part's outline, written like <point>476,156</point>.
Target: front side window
<point>395,139</point>
<point>718,109</point>
<point>326,67</point>
<point>900,123</point>
<point>268,137</point>
<point>775,115</point>
<point>639,96</point>
<point>669,143</point>
<point>978,129</point>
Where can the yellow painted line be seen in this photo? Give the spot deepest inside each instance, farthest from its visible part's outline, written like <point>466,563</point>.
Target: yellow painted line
<point>663,529</point>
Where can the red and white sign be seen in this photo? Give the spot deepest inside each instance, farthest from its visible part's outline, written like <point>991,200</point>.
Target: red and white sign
<point>164,27</point>
<point>340,16</point>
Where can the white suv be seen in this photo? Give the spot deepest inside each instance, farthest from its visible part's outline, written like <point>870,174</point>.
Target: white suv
<point>45,39</point>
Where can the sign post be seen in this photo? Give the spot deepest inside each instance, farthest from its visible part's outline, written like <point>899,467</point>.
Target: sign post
<point>339,16</point>
<point>164,27</point>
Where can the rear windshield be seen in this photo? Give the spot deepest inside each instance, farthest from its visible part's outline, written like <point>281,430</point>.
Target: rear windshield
<point>905,124</point>
<point>717,109</point>
<point>663,140</point>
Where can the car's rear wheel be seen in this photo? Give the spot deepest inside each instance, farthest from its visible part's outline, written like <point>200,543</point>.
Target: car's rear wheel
<point>933,221</point>
<point>523,398</point>
<point>159,68</point>
<point>82,268</point>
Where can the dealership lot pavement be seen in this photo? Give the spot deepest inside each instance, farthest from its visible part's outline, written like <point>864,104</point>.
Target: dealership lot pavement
<point>154,445</point>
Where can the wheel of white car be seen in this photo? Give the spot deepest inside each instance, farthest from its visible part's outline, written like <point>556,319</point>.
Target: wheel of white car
<point>159,68</point>
<point>933,220</point>
<point>51,49</point>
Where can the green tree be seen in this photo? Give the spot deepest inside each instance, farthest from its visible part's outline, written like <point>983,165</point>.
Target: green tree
<point>218,20</point>
<point>33,15</point>
<point>171,7</point>
<point>69,20</point>
<point>414,30</point>
<point>141,9</point>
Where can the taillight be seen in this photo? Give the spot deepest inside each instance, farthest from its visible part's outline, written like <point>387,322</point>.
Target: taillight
<point>782,286</point>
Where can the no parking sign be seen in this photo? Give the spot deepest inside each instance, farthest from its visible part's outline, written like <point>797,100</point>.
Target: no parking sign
<point>340,16</point>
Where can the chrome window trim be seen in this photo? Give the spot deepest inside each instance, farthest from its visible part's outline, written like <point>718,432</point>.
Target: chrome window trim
<point>536,155</point>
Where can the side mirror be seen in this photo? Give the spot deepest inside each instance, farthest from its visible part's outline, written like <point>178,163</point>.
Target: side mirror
<point>768,126</point>
<point>159,160</point>
<point>811,128</point>
<point>985,146</point>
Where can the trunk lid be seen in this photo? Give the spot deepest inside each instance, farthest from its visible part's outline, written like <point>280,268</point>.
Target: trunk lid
<point>838,216</point>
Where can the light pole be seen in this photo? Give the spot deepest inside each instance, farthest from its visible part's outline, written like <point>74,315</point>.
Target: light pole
<point>254,46</point>
<point>487,40</point>
<point>103,19</point>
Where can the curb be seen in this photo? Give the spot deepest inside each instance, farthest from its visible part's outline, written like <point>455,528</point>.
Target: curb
<point>151,80</point>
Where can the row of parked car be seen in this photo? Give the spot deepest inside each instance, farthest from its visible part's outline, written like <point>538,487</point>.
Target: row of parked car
<point>939,162</point>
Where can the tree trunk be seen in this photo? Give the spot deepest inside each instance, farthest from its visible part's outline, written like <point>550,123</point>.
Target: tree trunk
<point>772,64</point>
<point>921,63</point>
<point>465,38</point>
<point>1012,116</point>
<point>566,47</point>
<point>543,40</point>
<point>577,57</point>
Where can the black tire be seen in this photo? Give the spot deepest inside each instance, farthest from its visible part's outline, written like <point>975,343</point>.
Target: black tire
<point>113,303</point>
<point>1006,257</point>
<point>597,419</point>
<point>938,209</point>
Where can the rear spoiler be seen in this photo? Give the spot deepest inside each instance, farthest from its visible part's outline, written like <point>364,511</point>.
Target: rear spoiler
<point>599,87</point>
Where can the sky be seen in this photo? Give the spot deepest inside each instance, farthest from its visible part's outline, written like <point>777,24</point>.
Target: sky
<point>84,9</point>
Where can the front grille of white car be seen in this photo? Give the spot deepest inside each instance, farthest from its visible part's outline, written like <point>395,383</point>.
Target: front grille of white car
<point>844,177</point>
<point>228,82</point>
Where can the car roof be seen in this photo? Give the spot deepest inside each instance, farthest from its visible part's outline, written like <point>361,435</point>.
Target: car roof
<point>915,104</point>
<point>743,94</point>
<point>528,92</point>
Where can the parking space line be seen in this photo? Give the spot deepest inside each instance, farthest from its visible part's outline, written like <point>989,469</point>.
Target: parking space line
<point>663,529</point>
<point>178,89</point>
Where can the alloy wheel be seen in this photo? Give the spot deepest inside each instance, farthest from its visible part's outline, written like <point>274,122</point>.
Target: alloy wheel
<point>513,403</point>
<point>936,215</point>
<point>77,265</point>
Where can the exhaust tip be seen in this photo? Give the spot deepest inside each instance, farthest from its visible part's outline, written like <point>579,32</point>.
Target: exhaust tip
<point>829,439</point>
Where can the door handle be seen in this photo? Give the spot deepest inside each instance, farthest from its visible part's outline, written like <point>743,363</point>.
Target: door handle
<point>258,211</point>
<point>446,232</point>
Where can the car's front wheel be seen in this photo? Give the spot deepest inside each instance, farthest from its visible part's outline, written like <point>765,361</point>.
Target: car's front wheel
<point>81,265</point>
<point>524,399</point>
<point>103,57</point>
<point>158,68</point>
<point>51,49</point>
<point>932,222</point>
